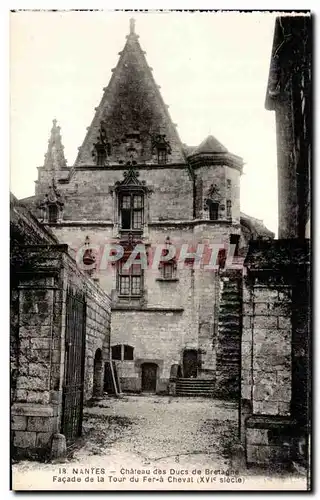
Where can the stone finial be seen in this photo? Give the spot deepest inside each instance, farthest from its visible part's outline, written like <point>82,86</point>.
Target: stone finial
<point>54,157</point>
<point>132,26</point>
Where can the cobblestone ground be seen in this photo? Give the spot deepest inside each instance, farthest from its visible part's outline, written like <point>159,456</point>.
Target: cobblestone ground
<point>176,439</point>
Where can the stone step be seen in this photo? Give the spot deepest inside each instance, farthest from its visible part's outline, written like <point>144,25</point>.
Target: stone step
<point>228,352</point>
<point>231,372</point>
<point>198,395</point>
<point>230,303</point>
<point>229,311</point>
<point>195,384</point>
<point>229,337</point>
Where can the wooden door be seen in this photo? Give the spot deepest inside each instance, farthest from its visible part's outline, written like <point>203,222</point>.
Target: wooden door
<point>149,377</point>
<point>190,363</point>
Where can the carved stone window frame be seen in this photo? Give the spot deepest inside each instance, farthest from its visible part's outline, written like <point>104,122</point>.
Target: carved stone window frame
<point>133,186</point>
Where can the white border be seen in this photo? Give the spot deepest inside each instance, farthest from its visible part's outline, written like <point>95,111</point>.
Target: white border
<point>4,198</point>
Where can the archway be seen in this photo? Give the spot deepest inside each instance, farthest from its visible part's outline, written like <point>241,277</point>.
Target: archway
<point>149,377</point>
<point>98,374</point>
<point>190,363</point>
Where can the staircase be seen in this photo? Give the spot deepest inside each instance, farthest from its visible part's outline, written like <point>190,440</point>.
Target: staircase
<point>229,337</point>
<point>195,387</point>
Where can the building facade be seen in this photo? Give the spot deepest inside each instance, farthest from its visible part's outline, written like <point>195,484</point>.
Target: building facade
<point>136,186</point>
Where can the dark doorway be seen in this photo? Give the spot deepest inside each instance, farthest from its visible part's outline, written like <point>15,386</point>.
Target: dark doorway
<point>97,374</point>
<point>190,363</point>
<point>149,377</point>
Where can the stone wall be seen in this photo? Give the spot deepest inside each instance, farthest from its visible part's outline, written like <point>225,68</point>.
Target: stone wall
<point>266,371</point>
<point>41,276</point>
<point>274,355</point>
<point>266,348</point>
<point>37,401</point>
<point>88,197</point>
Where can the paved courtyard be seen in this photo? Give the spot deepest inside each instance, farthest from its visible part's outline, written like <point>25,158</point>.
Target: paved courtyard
<point>151,442</point>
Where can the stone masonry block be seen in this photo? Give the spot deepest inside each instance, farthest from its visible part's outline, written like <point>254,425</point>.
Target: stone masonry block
<point>265,294</point>
<point>40,424</point>
<point>34,356</point>
<point>246,322</point>
<point>257,436</point>
<point>245,391</point>
<point>284,408</point>
<point>265,387</point>
<point>34,396</point>
<point>262,308</point>
<point>38,370</point>
<point>265,321</point>
<point>34,383</point>
<point>36,320</point>
<point>43,343</point>
<point>285,296</point>
<point>21,395</point>
<point>264,363</point>
<point>275,350</point>
<point>24,439</point>
<point>246,351</point>
<point>43,439</point>
<point>246,335</point>
<point>247,309</point>
<point>265,408</point>
<point>31,331</point>
<point>246,294</point>
<point>18,423</point>
<point>258,454</point>
<point>284,323</point>
<point>246,376</point>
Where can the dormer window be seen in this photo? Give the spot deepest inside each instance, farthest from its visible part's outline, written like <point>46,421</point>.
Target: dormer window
<point>52,214</point>
<point>102,148</point>
<point>52,205</point>
<point>161,147</point>
<point>162,156</point>
<point>130,203</point>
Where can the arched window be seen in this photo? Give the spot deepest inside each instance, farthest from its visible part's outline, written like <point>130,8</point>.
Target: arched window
<point>122,352</point>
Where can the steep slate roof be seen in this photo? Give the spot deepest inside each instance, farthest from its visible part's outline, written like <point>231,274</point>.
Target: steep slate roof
<point>132,104</point>
<point>210,145</point>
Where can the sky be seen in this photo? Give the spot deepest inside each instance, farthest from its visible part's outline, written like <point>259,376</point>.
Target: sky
<point>212,68</point>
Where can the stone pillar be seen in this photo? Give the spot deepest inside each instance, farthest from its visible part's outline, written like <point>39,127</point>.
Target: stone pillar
<point>36,407</point>
<point>269,421</point>
<point>266,373</point>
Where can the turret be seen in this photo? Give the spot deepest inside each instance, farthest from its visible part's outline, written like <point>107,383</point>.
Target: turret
<point>217,181</point>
